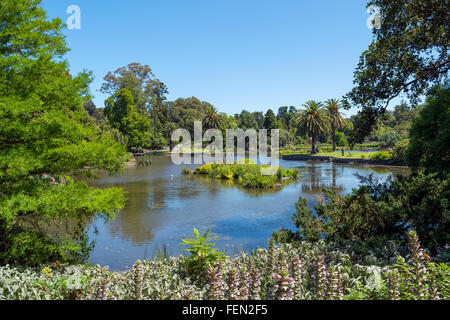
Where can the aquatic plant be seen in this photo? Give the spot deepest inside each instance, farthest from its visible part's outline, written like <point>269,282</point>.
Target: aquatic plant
<point>144,160</point>
<point>247,175</point>
<point>187,171</point>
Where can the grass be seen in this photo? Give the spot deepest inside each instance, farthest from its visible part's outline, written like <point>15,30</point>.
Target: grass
<point>248,175</point>
<point>337,154</point>
<point>348,155</point>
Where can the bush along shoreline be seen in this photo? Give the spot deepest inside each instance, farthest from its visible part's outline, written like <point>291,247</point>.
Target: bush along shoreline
<point>247,175</point>
<point>376,158</point>
<point>310,271</point>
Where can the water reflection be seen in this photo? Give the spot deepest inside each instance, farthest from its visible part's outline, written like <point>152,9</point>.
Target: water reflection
<point>163,207</point>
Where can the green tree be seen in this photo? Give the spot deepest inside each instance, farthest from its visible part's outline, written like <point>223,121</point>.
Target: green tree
<point>287,138</point>
<point>259,117</point>
<point>211,119</point>
<point>340,139</point>
<point>283,116</point>
<point>399,151</point>
<point>185,111</point>
<point>246,120</point>
<point>270,120</point>
<point>147,91</point>
<point>429,146</point>
<point>123,115</point>
<point>160,125</point>
<point>149,95</point>
<point>45,136</point>
<point>408,53</point>
<point>377,212</point>
<point>387,137</point>
<point>312,121</point>
<point>335,118</point>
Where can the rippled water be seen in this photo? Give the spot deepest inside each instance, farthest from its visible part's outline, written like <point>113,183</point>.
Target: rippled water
<point>164,206</point>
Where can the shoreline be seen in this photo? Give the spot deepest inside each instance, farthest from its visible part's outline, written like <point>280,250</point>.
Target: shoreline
<point>290,157</point>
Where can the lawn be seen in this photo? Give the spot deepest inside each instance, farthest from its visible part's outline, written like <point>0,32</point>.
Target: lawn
<point>348,155</point>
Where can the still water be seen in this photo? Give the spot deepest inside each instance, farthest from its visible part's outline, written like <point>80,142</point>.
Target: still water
<point>164,206</point>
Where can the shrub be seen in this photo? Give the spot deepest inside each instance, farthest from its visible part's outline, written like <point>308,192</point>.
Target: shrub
<point>381,155</point>
<point>293,173</point>
<point>144,161</point>
<point>378,212</point>
<point>247,175</point>
<point>205,169</point>
<point>430,133</point>
<point>399,151</point>
<point>256,181</point>
<point>388,138</point>
<point>187,171</point>
<point>340,139</point>
<point>202,253</point>
<point>282,173</point>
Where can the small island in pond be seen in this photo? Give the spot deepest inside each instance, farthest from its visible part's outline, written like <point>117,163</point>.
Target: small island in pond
<point>248,175</point>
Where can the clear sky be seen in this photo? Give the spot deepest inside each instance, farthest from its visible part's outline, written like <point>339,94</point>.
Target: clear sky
<point>235,54</point>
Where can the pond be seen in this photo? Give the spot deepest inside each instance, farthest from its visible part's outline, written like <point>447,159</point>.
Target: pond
<point>164,206</point>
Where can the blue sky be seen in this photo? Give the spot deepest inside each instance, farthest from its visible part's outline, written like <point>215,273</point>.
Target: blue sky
<point>245,54</point>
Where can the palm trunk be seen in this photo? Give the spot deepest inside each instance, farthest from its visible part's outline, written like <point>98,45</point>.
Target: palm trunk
<point>313,151</point>
<point>333,135</point>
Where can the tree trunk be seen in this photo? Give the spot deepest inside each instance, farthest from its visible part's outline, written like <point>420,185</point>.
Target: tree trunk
<point>333,135</point>
<point>313,151</point>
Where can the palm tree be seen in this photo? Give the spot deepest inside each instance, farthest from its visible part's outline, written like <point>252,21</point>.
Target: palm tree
<point>313,121</point>
<point>211,119</point>
<point>335,117</point>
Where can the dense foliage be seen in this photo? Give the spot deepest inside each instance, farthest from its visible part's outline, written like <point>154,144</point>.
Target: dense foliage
<point>309,271</point>
<point>377,212</point>
<point>248,175</point>
<point>123,115</point>
<point>408,53</point>
<point>202,253</point>
<point>313,121</point>
<point>429,146</point>
<point>45,136</point>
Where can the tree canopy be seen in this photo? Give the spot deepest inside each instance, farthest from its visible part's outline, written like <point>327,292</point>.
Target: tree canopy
<point>408,53</point>
<point>45,136</point>
<point>123,115</point>
<point>429,146</point>
<point>312,121</point>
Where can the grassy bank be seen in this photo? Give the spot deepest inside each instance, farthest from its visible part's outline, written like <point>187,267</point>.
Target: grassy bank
<point>381,155</point>
<point>248,175</point>
<point>347,155</point>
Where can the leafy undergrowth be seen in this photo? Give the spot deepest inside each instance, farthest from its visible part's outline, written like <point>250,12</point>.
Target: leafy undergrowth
<point>308,271</point>
<point>249,175</point>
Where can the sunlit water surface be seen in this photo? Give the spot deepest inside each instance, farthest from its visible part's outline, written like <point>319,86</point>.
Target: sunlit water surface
<point>164,206</point>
